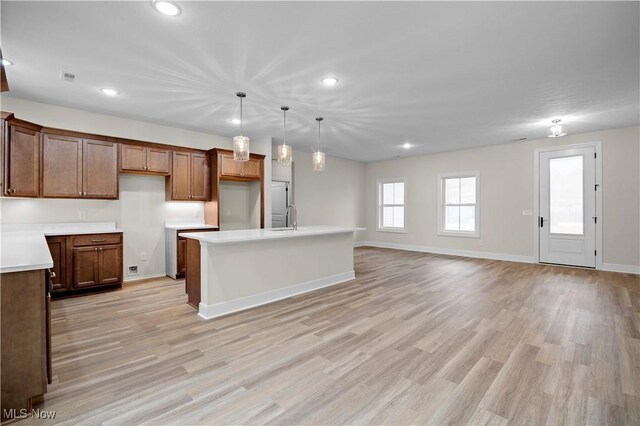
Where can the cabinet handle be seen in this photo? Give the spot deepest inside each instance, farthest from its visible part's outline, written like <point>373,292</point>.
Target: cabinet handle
<point>96,249</point>
<point>80,193</point>
<point>52,274</point>
<point>11,190</point>
<point>98,241</point>
<point>99,248</point>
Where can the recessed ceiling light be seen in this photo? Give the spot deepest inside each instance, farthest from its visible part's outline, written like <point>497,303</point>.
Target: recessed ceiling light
<point>235,121</point>
<point>6,62</point>
<point>329,81</point>
<point>406,145</point>
<point>168,8</point>
<point>109,92</point>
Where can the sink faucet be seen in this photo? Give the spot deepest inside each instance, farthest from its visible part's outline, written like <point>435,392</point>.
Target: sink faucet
<point>294,221</point>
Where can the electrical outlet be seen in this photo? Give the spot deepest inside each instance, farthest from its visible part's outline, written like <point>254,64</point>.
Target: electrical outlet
<point>228,212</point>
<point>196,213</point>
<point>82,214</point>
<point>144,256</point>
<point>133,269</point>
<point>526,212</point>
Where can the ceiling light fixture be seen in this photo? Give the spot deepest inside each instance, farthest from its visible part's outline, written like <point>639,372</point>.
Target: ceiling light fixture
<point>109,92</point>
<point>318,156</point>
<point>329,81</point>
<point>406,145</point>
<point>556,130</point>
<point>6,62</point>
<point>241,143</point>
<point>167,8</point>
<point>284,150</point>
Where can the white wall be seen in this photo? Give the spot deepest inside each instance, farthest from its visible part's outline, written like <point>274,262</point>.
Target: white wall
<point>506,189</point>
<point>141,210</point>
<point>336,196</point>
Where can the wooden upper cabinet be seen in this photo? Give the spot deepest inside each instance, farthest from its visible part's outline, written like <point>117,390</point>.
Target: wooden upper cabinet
<point>251,168</point>
<point>140,159</point>
<point>100,169</point>
<point>133,158</point>
<point>181,176</point>
<point>61,166</point>
<point>244,170</point>
<point>189,179</point>
<point>158,160</point>
<point>199,177</point>
<point>22,162</point>
<point>79,168</point>
<point>229,166</point>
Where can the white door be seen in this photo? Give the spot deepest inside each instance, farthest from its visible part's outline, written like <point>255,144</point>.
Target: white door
<point>567,221</point>
<point>279,201</point>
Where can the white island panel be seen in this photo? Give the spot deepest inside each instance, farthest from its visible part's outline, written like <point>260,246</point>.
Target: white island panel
<point>270,265</point>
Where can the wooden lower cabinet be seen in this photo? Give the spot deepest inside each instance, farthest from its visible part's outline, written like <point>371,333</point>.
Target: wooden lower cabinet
<point>182,256</point>
<point>25,357</point>
<point>86,262</point>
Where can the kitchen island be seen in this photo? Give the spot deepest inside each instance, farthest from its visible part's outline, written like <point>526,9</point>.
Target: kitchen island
<point>229,271</point>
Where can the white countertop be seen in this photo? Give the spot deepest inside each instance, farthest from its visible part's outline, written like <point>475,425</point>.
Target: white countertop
<point>23,247</point>
<point>250,235</point>
<point>188,225</point>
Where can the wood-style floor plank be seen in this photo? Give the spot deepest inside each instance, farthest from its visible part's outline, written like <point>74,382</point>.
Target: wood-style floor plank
<point>416,338</point>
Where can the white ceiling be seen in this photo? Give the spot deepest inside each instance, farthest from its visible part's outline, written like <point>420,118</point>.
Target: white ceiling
<point>442,76</point>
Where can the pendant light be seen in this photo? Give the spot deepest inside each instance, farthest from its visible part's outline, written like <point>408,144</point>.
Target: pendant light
<point>318,156</point>
<point>241,143</point>
<point>556,130</point>
<point>284,150</point>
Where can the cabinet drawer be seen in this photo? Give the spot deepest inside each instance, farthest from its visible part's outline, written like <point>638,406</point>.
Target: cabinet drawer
<point>96,239</point>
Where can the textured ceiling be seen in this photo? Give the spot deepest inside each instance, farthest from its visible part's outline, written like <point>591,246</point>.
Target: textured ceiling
<point>441,76</point>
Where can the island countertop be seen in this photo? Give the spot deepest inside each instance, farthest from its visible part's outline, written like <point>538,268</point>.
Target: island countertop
<point>255,235</point>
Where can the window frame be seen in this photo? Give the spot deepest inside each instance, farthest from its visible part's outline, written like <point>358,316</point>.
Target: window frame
<point>380,205</point>
<point>441,204</point>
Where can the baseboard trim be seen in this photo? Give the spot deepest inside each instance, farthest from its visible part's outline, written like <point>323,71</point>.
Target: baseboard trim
<point>611,267</point>
<point>627,269</point>
<point>358,243</point>
<point>225,308</point>
<point>143,278</point>
<point>452,252</point>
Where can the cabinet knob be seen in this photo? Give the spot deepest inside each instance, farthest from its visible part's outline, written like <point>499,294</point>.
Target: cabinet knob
<point>11,190</point>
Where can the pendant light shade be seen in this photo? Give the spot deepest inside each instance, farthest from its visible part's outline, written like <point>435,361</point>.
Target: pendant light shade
<point>241,143</point>
<point>284,150</point>
<point>318,156</point>
<point>556,130</point>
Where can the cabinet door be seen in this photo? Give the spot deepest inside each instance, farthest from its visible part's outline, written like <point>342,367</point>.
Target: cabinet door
<point>85,267</point>
<point>110,264</point>
<point>133,158</point>
<point>61,167</point>
<point>180,176</point>
<point>251,169</point>
<point>22,151</point>
<point>199,177</point>
<point>182,256</point>
<point>158,160</point>
<point>100,169</point>
<point>58,249</point>
<point>229,166</point>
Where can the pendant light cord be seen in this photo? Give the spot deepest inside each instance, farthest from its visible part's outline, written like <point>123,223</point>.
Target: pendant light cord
<point>285,127</point>
<point>318,135</point>
<point>241,116</point>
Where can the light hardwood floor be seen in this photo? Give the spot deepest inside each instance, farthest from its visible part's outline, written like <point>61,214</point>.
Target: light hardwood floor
<point>416,338</point>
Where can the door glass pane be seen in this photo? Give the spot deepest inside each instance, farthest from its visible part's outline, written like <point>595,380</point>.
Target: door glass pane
<point>468,190</point>
<point>468,218</point>
<point>565,195</point>
<point>452,191</point>
<point>452,218</point>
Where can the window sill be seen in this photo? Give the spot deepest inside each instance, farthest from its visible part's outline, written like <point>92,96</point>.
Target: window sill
<point>459,234</point>
<point>393,231</point>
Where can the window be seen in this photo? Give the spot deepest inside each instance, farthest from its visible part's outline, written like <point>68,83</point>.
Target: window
<point>391,210</point>
<point>459,210</point>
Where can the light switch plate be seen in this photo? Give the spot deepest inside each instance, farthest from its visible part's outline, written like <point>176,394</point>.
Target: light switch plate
<point>144,256</point>
<point>526,212</point>
<point>82,214</point>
